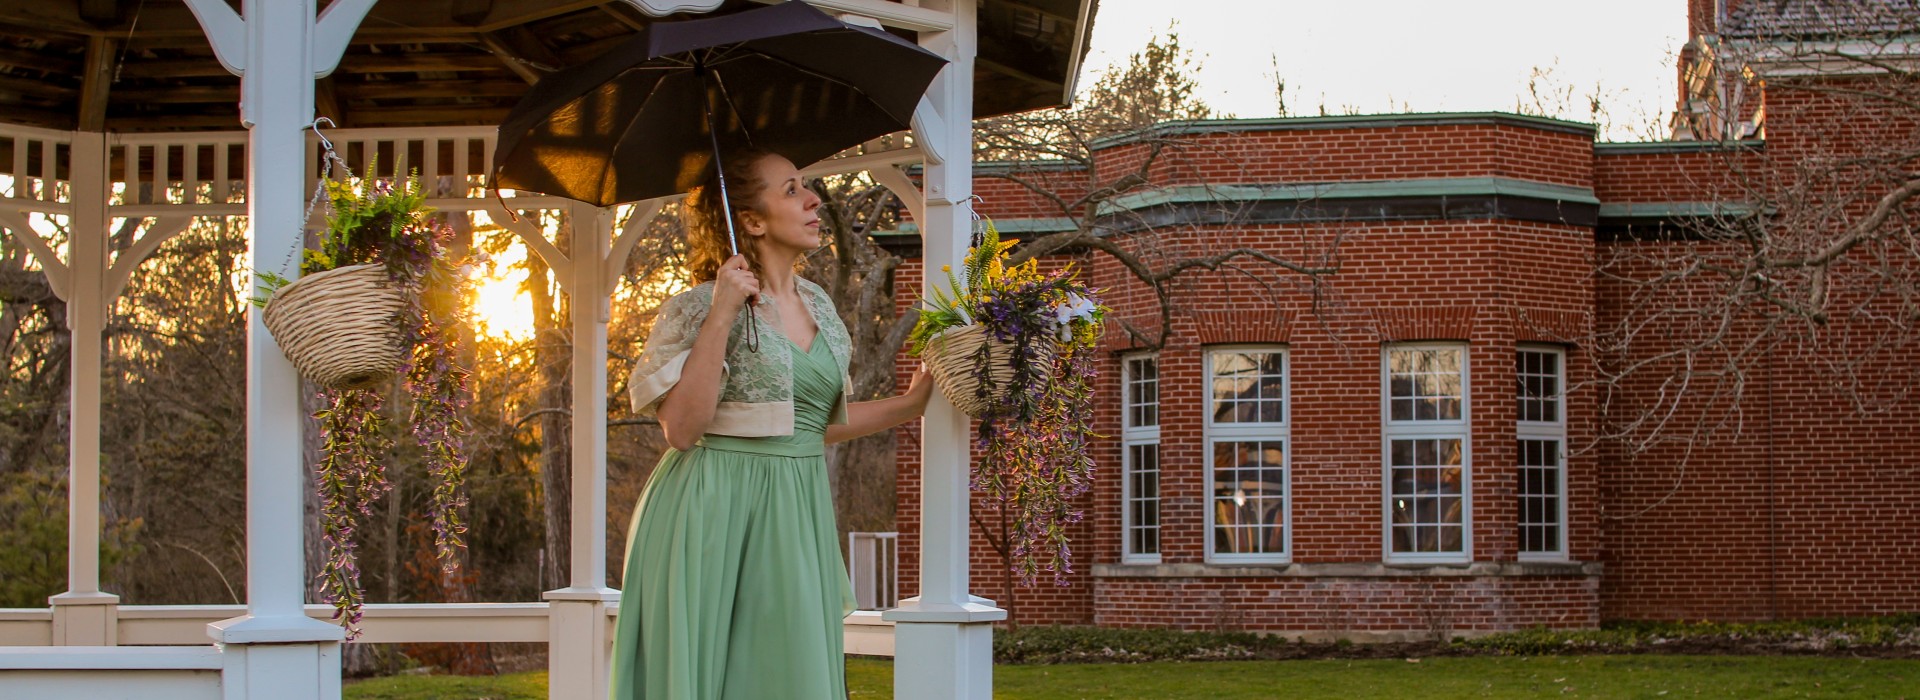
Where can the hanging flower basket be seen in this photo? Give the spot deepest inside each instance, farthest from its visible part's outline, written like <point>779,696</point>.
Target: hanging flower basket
<point>977,385</point>
<point>1014,347</point>
<point>340,327</point>
<point>379,296</point>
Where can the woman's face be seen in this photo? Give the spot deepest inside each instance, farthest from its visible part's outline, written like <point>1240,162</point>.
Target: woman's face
<point>786,218</point>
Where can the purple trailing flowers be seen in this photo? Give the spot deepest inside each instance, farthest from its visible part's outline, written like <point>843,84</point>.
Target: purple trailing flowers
<point>390,225</point>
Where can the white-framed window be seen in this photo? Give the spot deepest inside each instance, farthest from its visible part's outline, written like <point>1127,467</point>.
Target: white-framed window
<point>1540,373</point>
<point>1247,430</point>
<point>1427,504</point>
<point>1140,458</point>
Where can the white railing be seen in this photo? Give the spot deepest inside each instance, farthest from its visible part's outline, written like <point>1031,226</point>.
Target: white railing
<point>873,562</point>
<point>35,161</point>
<point>384,623</point>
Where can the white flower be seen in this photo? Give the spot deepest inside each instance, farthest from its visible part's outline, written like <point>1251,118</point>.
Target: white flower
<point>1076,308</point>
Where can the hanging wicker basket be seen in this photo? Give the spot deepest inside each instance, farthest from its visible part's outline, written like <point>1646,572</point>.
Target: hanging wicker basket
<point>950,359</point>
<point>337,326</point>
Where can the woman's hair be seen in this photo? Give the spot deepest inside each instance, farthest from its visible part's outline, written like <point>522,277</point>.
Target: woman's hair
<point>707,247</point>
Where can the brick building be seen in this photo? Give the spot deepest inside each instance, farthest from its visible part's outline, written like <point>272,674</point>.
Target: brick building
<point>1395,454</point>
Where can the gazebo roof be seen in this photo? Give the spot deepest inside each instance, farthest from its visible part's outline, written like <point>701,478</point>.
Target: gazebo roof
<point>135,65</point>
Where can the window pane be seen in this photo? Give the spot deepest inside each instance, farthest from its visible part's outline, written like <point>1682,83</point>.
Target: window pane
<point>1143,499</point>
<point>1538,377</point>
<point>1142,393</point>
<point>1428,380</point>
<point>1427,508</point>
<point>1248,387</point>
<point>1540,491</point>
<point>1249,497</point>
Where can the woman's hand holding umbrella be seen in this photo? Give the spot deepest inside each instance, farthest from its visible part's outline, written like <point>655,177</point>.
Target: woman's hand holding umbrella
<point>734,286</point>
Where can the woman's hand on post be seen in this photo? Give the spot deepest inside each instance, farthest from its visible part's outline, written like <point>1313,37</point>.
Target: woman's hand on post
<point>920,389</point>
<point>734,284</point>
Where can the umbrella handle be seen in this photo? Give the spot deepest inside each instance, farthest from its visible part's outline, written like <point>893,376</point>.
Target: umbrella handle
<point>726,212</point>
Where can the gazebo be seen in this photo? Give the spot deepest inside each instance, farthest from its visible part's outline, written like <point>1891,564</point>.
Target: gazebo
<point>118,110</point>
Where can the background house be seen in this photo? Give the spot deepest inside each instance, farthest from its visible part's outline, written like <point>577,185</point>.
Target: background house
<point>1394,452</point>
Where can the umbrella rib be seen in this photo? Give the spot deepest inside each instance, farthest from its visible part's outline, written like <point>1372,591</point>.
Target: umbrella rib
<point>631,125</point>
<point>808,71</point>
<point>724,95</point>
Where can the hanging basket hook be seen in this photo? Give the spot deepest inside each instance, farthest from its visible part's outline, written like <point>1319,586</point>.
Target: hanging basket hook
<point>315,126</point>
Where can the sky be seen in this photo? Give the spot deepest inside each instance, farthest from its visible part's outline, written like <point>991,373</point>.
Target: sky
<point>1377,56</point>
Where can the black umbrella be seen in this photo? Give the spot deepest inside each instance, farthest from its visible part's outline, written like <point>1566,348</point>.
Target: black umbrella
<point>646,119</point>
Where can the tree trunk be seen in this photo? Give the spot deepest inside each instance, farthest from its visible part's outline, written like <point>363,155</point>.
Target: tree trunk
<point>553,356</point>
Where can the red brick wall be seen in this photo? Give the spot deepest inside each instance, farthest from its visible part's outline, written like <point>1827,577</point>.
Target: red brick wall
<point>1363,153</point>
<point>1800,505</point>
<point>1391,608</point>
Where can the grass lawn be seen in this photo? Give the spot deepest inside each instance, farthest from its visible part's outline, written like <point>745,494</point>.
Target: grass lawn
<point>1652,677</point>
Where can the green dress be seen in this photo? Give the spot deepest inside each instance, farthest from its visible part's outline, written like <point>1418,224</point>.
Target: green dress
<point>734,588</point>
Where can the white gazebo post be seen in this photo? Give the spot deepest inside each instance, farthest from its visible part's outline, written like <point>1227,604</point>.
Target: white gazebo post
<point>943,639</point>
<point>278,49</point>
<point>84,615</point>
<point>579,637</point>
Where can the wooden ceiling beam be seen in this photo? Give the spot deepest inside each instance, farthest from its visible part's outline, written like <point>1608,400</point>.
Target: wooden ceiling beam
<point>35,88</point>
<point>512,13</point>
<point>198,121</point>
<point>523,53</point>
<point>155,19</point>
<point>418,63</point>
<point>581,53</point>
<point>327,102</point>
<point>179,94</point>
<point>417,116</point>
<point>1065,11</point>
<point>366,36</point>
<point>95,83</point>
<point>1017,74</point>
<point>100,12</point>
<point>470,12</point>
<point>35,116</point>
<point>625,14</point>
<point>1017,57</point>
<point>37,61</point>
<point>174,68</point>
<point>508,57</point>
<point>400,90</point>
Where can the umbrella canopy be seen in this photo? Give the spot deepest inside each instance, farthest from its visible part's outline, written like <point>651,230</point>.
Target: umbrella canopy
<point>633,124</point>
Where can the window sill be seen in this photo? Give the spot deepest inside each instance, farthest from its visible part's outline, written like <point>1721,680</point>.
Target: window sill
<point>1348,570</point>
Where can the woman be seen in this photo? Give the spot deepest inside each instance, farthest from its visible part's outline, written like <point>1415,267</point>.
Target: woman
<point>735,589</point>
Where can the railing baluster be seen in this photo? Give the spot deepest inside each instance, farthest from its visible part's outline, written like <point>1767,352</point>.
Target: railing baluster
<point>190,173</point>
<point>49,170</point>
<point>130,165</point>
<point>430,169</point>
<point>486,163</point>
<point>162,173</point>
<point>222,188</point>
<point>19,168</point>
<point>461,147</point>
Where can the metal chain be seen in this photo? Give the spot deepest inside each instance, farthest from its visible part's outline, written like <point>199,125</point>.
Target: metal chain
<point>327,162</point>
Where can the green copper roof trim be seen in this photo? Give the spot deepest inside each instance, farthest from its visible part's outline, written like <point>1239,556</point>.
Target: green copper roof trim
<point>1676,210</point>
<point>1004,226</point>
<point>1622,149</point>
<point>1352,121</point>
<point>1438,187</point>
